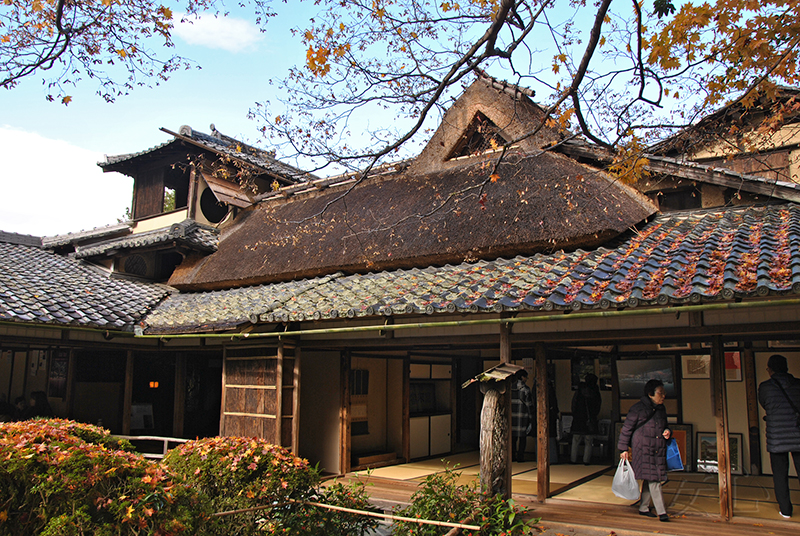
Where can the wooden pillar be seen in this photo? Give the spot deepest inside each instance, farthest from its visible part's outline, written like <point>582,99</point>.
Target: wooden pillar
<point>127,397</point>
<point>279,395</point>
<point>71,375</point>
<point>344,413</point>
<point>751,393</point>
<point>191,198</point>
<point>179,404</point>
<point>494,441</point>
<point>543,425</point>
<point>406,408</point>
<point>222,405</point>
<point>615,409</point>
<point>505,357</point>
<point>720,407</point>
<point>296,403</point>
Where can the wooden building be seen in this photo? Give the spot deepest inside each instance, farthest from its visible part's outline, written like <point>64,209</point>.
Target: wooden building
<point>340,317</point>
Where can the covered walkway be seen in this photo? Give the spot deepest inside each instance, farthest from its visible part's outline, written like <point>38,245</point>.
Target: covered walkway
<point>581,496</point>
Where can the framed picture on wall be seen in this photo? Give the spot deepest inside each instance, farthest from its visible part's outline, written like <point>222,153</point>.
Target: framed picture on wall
<point>733,366</point>
<point>581,366</point>
<point>57,376</point>
<point>707,452</point>
<point>633,374</point>
<point>696,366</point>
<point>674,346</point>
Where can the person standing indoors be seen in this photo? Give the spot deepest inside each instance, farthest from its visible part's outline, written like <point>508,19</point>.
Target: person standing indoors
<point>646,433</point>
<point>585,409</point>
<point>521,415</point>
<point>780,398</point>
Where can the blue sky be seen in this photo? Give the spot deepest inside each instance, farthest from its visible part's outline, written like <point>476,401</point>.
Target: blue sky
<point>50,183</point>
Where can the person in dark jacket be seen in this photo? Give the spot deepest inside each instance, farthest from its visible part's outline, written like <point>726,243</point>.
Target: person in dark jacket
<point>645,431</point>
<point>39,406</point>
<point>585,409</point>
<point>521,415</point>
<point>777,396</point>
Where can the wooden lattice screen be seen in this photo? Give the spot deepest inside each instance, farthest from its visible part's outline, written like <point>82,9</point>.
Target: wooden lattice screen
<point>252,403</point>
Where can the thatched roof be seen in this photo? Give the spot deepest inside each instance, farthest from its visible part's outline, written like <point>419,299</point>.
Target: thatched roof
<point>540,202</point>
<point>687,257</point>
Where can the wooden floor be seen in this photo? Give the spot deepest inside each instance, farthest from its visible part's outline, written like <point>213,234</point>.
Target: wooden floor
<point>582,503</point>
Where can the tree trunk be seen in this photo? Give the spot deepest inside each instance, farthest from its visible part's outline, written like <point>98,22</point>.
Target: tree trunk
<point>494,444</point>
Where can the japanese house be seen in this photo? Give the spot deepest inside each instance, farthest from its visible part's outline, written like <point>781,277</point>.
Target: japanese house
<point>340,316</point>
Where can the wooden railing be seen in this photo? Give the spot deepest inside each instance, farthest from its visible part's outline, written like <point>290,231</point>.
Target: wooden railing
<point>165,444</point>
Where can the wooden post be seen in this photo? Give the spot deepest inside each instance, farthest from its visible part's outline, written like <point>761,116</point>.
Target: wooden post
<point>720,406</point>
<point>406,408</point>
<point>127,397</point>
<point>222,405</point>
<point>179,398</point>
<point>191,198</point>
<point>296,403</point>
<point>344,414</point>
<point>279,395</point>
<point>505,357</point>
<point>543,426</point>
<point>494,442</point>
<point>751,393</point>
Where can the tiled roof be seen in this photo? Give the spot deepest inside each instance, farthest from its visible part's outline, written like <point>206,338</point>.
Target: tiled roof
<point>188,232</point>
<point>680,257</point>
<point>22,239</point>
<point>92,234</point>
<point>37,286</point>
<point>224,309</point>
<point>223,145</point>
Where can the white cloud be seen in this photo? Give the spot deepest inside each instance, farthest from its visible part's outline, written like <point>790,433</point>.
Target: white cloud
<point>51,187</point>
<point>226,33</point>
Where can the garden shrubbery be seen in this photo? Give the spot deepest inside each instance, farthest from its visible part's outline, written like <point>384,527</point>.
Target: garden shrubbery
<point>267,485</point>
<point>441,498</point>
<point>61,478</point>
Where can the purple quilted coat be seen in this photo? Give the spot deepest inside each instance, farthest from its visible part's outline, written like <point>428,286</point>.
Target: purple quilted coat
<point>649,456</point>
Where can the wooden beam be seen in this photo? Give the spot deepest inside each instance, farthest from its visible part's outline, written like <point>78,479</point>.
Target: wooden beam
<point>725,178</point>
<point>179,399</point>
<point>543,426</point>
<point>127,396</point>
<point>695,172</point>
<point>720,407</point>
<point>751,395</point>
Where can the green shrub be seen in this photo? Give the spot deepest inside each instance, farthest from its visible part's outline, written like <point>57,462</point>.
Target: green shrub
<point>441,498</point>
<point>61,478</point>
<point>236,473</point>
<point>336,523</point>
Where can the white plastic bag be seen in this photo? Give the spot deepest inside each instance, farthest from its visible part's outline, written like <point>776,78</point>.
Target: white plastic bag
<point>625,485</point>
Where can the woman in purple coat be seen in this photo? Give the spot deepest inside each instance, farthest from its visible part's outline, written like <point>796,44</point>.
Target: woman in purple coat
<point>645,430</point>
